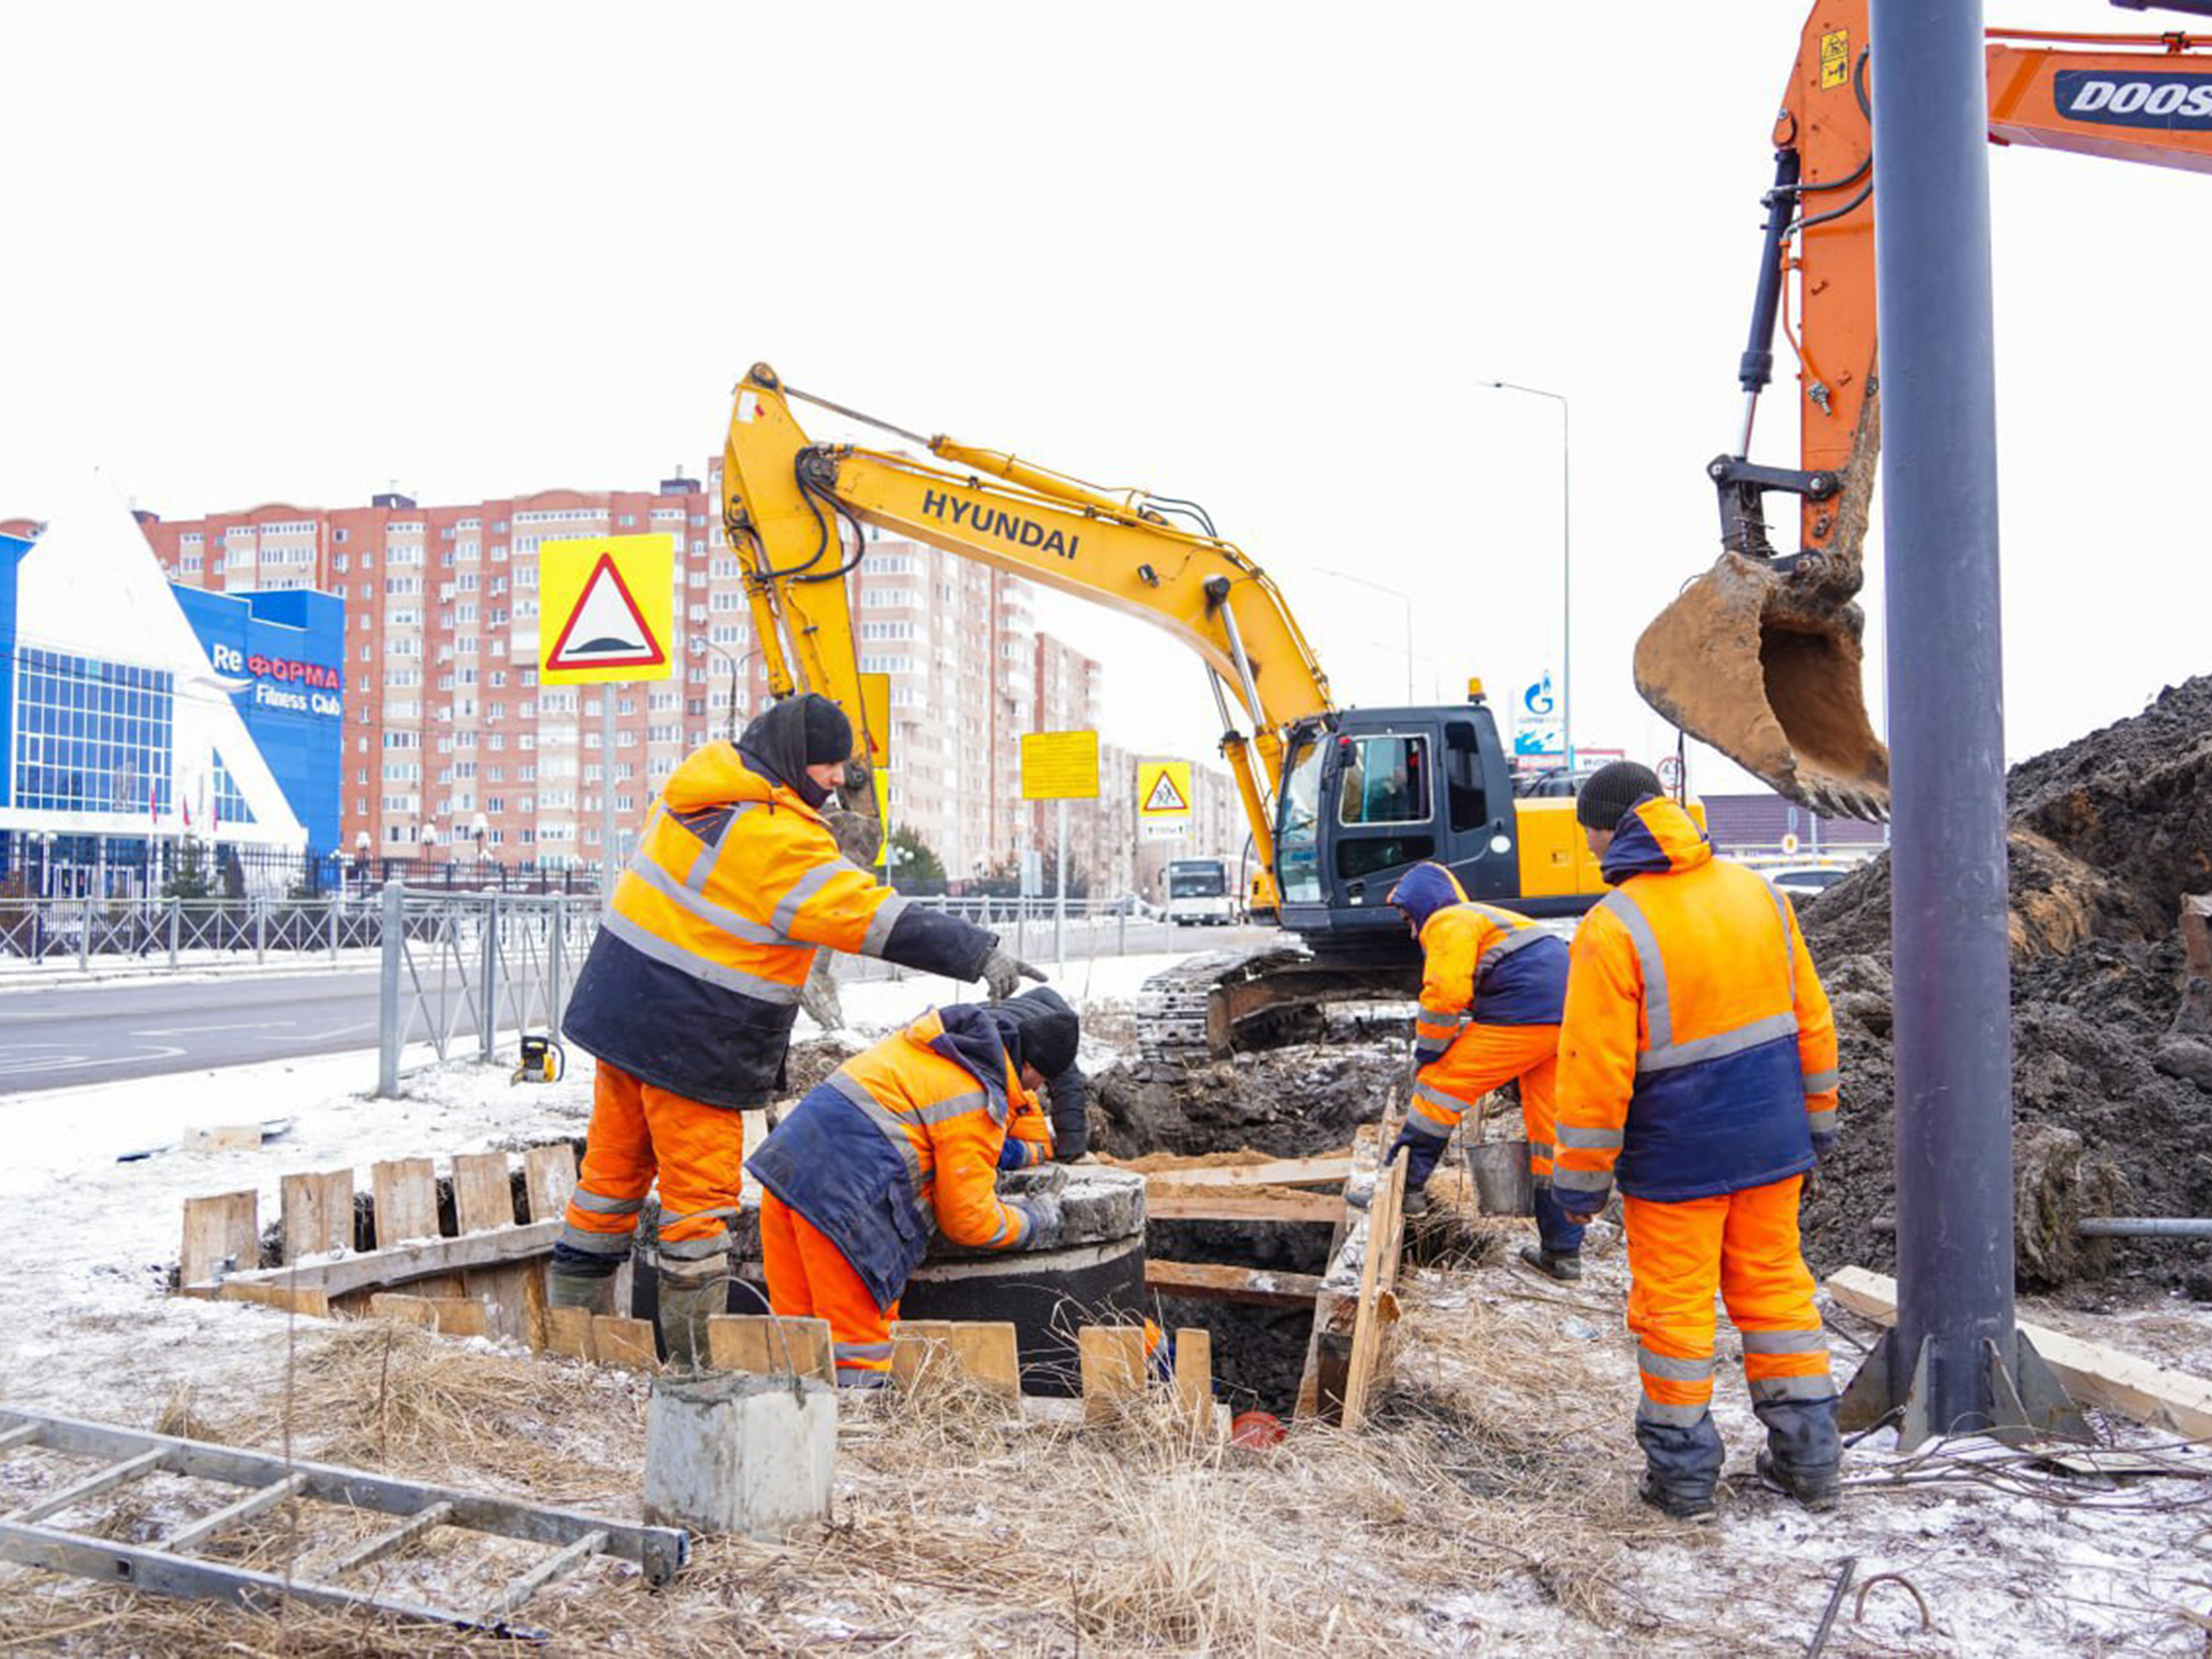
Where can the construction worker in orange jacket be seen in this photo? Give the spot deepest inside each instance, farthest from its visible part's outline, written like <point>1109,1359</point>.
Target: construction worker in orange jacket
<point>904,1139</point>
<point>1698,1069</point>
<point>692,984</point>
<point>1493,982</point>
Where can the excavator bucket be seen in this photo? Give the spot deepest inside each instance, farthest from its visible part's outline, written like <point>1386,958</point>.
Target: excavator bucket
<point>1761,657</point>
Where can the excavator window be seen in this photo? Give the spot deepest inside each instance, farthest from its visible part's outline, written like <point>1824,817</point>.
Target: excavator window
<point>1385,780</point>
<point>1469,806</point>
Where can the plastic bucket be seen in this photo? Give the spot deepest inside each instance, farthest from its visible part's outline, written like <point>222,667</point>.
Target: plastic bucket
<point>1503,1183</point>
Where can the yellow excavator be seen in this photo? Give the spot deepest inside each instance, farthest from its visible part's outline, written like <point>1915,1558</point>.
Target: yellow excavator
<point>1340,802</point>
<point>1760,655</point>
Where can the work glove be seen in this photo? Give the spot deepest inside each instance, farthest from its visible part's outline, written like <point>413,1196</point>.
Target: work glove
<point>1047,1221</point>
<point>1421,1151</point>
<point>1004,971</point>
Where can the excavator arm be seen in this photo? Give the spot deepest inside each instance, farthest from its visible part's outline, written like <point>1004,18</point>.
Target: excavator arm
<point>1761,656</point>
<point>794,509</point>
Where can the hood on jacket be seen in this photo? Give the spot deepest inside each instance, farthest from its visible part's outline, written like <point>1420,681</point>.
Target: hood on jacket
<point>969,1038</point>
<point>788,736</point>
<point>719,775</point>
<point>1039,1029</point>
<point>1425,889</point>
<point>1655,838</point>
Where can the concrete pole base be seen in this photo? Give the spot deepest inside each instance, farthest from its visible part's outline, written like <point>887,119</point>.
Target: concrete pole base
<point>731,1452</point>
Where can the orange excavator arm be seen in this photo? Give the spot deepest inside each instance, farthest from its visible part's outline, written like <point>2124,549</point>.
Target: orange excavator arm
<point>1761,656</point>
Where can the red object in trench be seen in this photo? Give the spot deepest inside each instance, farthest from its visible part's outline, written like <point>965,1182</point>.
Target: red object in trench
<point>1256,1429</point>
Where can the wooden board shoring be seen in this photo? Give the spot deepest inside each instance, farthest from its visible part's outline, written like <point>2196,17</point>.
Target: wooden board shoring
<point>405,1192</point>
<point>1327,1383</point>
<point>1325,1172</point>
<point>619,1340</point>
<point>2093,1374</point>
<point>1194,1374</point>
<point>318,1210</point>
<point>568,1333</point>
<point>1218,1282</point>
<point>1113,1369</point>
<point>1182,1203</point>
<point>286,1298</point>
<point>771,1347</point>
<point>483,1195</point>
<point>223,1227</point>
<point>1378,1273</point>
<point>394,1268</point>
<point>549,1176</point>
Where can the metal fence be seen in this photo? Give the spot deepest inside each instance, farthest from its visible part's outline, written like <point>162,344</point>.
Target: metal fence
<point>92,931</point>
<point>462,967</point>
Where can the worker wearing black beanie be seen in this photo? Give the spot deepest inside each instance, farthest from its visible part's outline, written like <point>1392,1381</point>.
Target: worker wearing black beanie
<point>1611,790</point>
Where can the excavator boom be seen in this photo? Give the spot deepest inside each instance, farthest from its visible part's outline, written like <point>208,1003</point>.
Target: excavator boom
<point>1761,656</point>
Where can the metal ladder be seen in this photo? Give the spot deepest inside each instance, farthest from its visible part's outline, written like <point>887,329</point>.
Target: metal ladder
<point>169,1568</point>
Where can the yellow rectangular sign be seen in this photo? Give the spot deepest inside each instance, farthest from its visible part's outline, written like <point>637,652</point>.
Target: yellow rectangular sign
<point>1835,58</point>
<point>1163,790</point>
<point>1060,765</point>
<point>606,610</point>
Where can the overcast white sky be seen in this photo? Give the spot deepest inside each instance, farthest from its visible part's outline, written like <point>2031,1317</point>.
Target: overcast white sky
<point>1261,256</point>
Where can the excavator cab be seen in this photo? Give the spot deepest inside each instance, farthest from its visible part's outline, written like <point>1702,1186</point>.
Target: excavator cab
<point>1369,793</point>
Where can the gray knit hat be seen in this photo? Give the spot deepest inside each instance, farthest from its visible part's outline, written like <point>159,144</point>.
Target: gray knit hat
<point>1611,790</point>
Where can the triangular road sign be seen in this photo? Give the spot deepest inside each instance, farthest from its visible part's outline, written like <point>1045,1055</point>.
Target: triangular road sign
<point>606,629</point>
<point>1165,796</point>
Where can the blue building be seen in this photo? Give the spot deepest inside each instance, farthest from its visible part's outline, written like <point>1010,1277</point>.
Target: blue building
<point>136,715</point>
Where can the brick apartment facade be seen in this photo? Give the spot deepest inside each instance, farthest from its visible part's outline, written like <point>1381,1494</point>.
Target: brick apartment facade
<point>451,742</point>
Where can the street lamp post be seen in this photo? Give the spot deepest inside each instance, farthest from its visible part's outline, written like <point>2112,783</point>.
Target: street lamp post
<point>701,644</point>
<point>1566,566</point>
<point>1403,598</point>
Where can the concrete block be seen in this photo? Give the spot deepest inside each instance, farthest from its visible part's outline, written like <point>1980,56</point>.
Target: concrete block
<point>731,1452</point>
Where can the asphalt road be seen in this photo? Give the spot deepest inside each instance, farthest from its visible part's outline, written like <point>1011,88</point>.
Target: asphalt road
<point>103,1033</point>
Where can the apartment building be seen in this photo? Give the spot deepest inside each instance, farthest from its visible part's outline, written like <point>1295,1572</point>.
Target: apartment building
<point>450,744</point>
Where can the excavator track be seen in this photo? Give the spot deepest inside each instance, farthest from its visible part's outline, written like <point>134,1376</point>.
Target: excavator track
<point>1208,1007</point>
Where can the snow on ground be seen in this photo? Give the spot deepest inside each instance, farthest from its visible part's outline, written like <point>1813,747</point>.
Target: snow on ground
<point>1538,1370</point>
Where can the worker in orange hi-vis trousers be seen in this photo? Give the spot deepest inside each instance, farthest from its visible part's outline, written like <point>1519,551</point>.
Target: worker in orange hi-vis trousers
<point>904,1139</point>
<point>692,984</point>
<point>1492,983</point>
<point>1698,1068</point>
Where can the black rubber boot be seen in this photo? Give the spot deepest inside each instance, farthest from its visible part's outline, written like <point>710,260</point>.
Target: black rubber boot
<point>595,1291</point>
<point>1566,1267</point>
<point>1817,1489</point>
<point>1678,1503</point>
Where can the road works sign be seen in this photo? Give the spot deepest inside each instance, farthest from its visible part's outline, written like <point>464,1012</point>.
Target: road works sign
<point>605,608</point>
<point>1163,790</point>
<point>1060,765</point>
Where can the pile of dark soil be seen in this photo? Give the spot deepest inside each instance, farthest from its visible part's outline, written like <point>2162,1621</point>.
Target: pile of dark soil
<point>2112,1107</point>
<point>1290,1102</point>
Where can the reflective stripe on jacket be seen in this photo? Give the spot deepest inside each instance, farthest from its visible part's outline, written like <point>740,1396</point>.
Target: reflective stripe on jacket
<point>1698,1053</point>
<point>693,979</point>
<point>901,1137</point>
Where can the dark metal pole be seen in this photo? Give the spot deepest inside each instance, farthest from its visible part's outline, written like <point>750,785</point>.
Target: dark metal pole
<point>1953,1362</point>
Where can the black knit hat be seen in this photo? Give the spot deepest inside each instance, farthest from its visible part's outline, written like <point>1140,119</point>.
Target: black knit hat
<point>1611,790</point>
<point>828,732</point>
<point>1040,1030</point>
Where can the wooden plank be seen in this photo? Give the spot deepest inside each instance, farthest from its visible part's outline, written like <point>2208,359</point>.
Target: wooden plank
<point>1274,1172</point>
<point>1321,1384</point>
<point>318,1211</point>
<point>504,1291</point>
<point>307,1299</point>
<point>381,1270</point>
<point>771,1347</point>
<point>224,1226</point>
<point>1113,1362</point>
<point>1378,1271</point>
<point>568,1333</point>
<point>1193,1375</point>
<point>461,1316</point>
<point>549,1176</point>
<point>916,1344</point>
<point>1218,1282</point>
<point>483,1195</point>
<point>2093,1374</point>
<point>1182,1203</point>
<point>531,1276</point>
<point>616,1341</point>
<point>416,1310</point>
<point>405,1191</point>
<point>988,1354</point>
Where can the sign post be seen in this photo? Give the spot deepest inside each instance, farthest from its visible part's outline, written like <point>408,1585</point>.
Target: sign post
<point>606,606</point>
<point>1059,766</point>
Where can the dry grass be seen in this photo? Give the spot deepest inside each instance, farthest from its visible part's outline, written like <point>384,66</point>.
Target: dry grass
<point>962,1522</point>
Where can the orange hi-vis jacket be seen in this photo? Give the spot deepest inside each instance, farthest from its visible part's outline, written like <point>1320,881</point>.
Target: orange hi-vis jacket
<point>693,980</point>
<point>1698,1053</point>
<point>904,1134</point>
